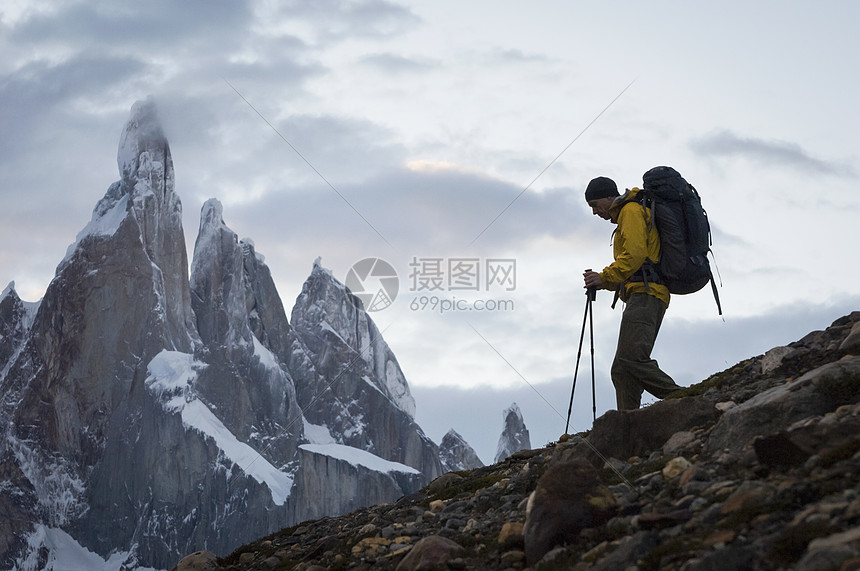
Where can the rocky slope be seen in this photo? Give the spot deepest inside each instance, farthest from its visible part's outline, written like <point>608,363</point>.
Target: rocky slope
<point>754,468</point>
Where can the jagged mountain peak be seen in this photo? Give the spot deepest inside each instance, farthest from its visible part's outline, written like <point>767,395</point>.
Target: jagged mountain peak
<point>16,317</point>
<point>328,313</point>
<point>9,289</point>
<point>217,281</point>
<point>515,435</point>
<point>457,454</point>
<point>142,134</point>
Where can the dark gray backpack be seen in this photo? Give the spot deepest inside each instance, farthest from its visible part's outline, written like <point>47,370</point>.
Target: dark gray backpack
<point>685,235</point>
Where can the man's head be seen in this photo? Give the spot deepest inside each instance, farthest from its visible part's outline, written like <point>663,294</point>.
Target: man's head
<point>600,193</point>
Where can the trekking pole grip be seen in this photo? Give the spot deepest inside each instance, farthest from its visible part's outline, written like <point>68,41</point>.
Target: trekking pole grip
<point>591,292</point>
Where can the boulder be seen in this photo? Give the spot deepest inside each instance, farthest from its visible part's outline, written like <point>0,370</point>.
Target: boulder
<point>637,432</point>
<point>851,345</point>
<point>432,552</point>
<point>198,561</point>
<point>818,392</point>
<point>569,498</point>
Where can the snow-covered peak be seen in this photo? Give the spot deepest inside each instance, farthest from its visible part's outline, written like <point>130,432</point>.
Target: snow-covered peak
<point>145,188</point>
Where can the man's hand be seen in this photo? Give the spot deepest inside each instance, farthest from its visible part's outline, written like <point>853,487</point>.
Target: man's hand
<point>592,279</point>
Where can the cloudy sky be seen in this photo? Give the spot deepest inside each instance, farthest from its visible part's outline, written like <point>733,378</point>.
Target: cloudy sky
<point>453,133</point>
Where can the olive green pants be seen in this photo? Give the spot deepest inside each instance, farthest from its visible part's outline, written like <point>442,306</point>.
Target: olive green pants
<point>633,369</point>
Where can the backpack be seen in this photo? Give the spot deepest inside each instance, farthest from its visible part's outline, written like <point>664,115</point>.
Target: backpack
<point>685,235</point>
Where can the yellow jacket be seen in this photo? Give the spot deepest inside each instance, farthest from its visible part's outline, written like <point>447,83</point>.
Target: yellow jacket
<point>635,240</point>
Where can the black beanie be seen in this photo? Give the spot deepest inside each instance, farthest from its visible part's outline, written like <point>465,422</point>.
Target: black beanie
<point>600,187</point>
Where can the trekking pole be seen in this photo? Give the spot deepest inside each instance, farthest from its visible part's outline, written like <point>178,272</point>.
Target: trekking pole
<point>592,295</point>
<point>589,294</point>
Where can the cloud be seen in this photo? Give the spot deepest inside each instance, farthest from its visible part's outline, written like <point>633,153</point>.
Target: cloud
<point>158,26</point>
<point>515,56</point>
<point>780,154</point>
<point>421,211</point>
<point>34,94</point>
<point>334,20</point>
<point>394,63</point>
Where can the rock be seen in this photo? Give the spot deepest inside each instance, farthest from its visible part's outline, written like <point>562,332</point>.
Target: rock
<point>638,432</point>
<point>678,442</point>
<point>817,392</point>
<point>371,547</point>
<point>443,482</point>
<point>724,406</point>
<point>836,540</point>
<point>773,358</point>
<point>851,344</point>
<point>748,497</point>
<point>198,561</point>
<point>431,553</point>
<point>654,520</point>
<point>779,450</point>
<point>675,467</point>
<point>725,558</point>
<point>511,536</point>
<point>629,550</point>
<point>720,537</point>
<point>826,559</point>
<point>569,498</point>
<point>513,559</point>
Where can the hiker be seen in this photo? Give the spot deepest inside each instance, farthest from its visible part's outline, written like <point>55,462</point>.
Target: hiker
<point>637,283</point>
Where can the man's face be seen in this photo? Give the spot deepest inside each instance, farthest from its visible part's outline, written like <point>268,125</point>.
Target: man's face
<point>600,207</point>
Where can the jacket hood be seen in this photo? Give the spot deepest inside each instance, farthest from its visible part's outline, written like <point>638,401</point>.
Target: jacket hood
<point>629,196</point>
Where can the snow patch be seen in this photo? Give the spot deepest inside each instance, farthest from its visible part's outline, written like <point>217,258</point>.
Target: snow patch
<point>267,358</point>
<point>66,554</point>
<point>317,433</point>
<point>326,326</point>
<point>196,415</point>
<point>358,457</point>
<point>102,223</point>
<point>170,376</point>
